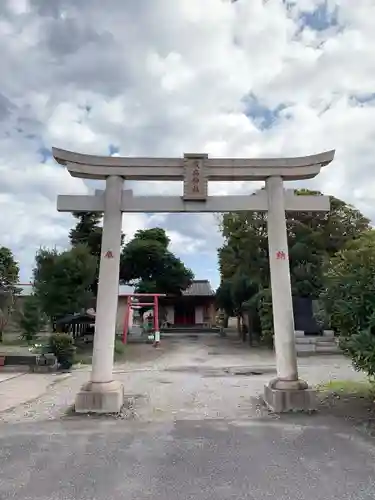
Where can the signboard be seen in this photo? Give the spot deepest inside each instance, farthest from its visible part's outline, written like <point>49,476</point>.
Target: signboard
<point>195,180</point>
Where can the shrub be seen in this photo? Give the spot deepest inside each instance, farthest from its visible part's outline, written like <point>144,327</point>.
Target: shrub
<point>31,319</point>
<point>264,299</point>
<point>62,346</point>
<point>360,348</point>
<point>40,349</point>
<point>350,300</point>
<point>349,296</point>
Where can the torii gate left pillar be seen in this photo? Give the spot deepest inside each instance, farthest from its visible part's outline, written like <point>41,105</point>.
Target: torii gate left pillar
<point>104,395</point>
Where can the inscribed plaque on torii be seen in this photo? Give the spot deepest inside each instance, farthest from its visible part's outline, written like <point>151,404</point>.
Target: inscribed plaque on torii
<point>195,179</point>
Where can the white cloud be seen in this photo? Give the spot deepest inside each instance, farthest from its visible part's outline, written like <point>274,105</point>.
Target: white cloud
<point>183,244</point>
<point>162,78</point>
<point>131,223</point>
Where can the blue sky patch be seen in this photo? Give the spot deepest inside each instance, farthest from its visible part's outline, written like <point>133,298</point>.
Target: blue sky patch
<point>263,116</point>
<point>45,153</point>
<point>112,149</point>
<point>363,99</point>
<point>321,18</point>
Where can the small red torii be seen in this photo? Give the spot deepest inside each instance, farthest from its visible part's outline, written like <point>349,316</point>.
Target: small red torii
<point>154,304</point>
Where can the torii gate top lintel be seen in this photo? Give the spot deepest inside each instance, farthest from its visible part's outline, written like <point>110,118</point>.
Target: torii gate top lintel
<point>213,169</point>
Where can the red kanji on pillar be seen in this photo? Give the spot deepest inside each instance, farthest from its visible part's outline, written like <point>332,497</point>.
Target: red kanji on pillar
<point>280,255</point>
<point>108,254</point>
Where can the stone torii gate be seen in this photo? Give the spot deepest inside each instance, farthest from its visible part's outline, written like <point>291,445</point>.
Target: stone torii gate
<point>103,394</point>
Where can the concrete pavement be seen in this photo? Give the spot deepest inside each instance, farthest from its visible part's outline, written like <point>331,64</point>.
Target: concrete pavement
<point>201,460</point>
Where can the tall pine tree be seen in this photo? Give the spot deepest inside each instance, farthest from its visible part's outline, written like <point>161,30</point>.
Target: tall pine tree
<point>88,232</point>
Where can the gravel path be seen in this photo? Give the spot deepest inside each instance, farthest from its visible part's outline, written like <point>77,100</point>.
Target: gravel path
<point>187,379</point>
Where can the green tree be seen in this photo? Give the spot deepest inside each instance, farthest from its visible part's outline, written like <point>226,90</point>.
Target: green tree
<point>349,295</point>
<point>147,262</point>
<point>31,319</point>
<point>9,278</point>
<point>342,224</point>
<point>62,280</point>
<point>9,269</point>
<point>155,234</point>
<point>245,249</point>
<point>313,238</point>
<point>349,299</point>
<point>87,231</point>
<point>243,290</point>
<point>224,299</point>
<point>236,296</point>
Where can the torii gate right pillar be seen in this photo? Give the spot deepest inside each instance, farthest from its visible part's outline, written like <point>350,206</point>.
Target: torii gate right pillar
<point>286,392</point>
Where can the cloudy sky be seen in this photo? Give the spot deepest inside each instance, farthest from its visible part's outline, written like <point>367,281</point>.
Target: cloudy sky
<point>164,77</point>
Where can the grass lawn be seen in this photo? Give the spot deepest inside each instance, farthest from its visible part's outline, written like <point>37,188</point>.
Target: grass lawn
<point>14,346</point>
<point>364,389</point>
<point>12,341</point>
<point>349,400</point>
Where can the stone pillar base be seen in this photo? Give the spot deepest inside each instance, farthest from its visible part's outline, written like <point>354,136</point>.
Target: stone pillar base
<point>100,398</point>
<point>283,396</point>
